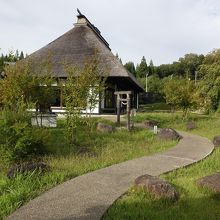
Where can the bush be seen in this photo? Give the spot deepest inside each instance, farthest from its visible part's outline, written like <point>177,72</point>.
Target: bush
<point>28,145</point>
<point>20,141</point>
<point>25,144</point>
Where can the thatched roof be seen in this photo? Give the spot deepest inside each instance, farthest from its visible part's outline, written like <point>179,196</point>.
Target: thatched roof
<point>77,45</point>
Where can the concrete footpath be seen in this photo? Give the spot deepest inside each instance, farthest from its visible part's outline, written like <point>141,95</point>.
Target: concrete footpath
<point>87,197</point>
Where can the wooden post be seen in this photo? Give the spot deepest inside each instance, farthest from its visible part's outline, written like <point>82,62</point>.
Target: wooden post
<point>126,101</point>
<point>128,112</point>
<point>118,109</point>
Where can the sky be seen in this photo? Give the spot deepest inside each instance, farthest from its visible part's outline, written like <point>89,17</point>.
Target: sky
<point>161,30</point>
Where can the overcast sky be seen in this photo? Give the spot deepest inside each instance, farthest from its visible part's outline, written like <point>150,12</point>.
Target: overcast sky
<point>161,30</point>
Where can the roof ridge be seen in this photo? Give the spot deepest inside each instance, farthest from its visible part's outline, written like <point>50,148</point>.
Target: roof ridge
<point>93,28</point>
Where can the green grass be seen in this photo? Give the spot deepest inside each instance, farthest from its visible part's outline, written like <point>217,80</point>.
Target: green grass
<point>158,106</point>
<point>207,126</point>
<point>195,202</point>
<point>104,150</point>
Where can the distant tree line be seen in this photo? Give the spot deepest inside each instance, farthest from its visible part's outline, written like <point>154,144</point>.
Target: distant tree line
<point>10,57</point>
<point>191,82</point>
<point>186,66</point>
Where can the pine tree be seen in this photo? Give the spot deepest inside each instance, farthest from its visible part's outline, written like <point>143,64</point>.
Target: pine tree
<point>142,68</point>
<point>151,68</point>
<point>130,67</point>
<point>21,55</point>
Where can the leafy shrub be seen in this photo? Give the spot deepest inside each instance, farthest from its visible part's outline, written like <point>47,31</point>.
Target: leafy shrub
<point>29,144</point>
<point>19,140</point>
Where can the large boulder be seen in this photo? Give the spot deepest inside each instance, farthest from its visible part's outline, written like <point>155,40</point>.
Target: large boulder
<point>150,124</point>
<point>168,134</point>
<point>190,125</point>
<point>158,187</point>
<point>216,141</point>
<point>27,167</point>
<point>104,128</point>
<point>212,182</point>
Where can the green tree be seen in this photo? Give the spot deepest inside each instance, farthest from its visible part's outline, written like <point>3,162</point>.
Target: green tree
<point>95,80</point>
<point>21,56</point>
<point>164,70</point>
<point>10,57</point>
<point>142,68</point>
<point>151,68</point>
<point>155,84</point>
<point>184,67</point>
<point>191,63</point>
<point>130,67</point>
<point>209,83</point>
<point>83,89</point>
<point>18,90</point>
<point>180,93</point>
<point>21,80</point>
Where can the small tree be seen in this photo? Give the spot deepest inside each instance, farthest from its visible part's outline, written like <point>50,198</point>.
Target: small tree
<point>19,140</point>
<point>83,89</point>
<point>95,82</point>
<point>21,80</point>
<point>180,93</point>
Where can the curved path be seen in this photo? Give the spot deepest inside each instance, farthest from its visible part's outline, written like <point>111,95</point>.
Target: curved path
<point>90,195</point>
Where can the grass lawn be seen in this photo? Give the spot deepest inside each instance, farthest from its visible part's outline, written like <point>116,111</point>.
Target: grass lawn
<point>194,203</point>
<point>104,150</point>
<point>158,106</point>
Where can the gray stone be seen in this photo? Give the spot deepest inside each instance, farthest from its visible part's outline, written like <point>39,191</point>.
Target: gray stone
<point>216,141</point>
<point>191,125</point>
<point>104,128</point>
<point>150,124</point>
<point>168,134</point>
<point>212,182</point>
<point>158,187</point>
<point>27,167</point>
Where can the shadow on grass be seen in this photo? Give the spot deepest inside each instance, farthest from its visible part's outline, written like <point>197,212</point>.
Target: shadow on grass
<point>144,208</point>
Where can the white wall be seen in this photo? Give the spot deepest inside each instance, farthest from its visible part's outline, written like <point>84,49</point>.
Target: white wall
<point>94,110</point>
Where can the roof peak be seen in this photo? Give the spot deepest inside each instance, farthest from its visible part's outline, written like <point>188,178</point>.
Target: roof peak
<point>83,20</point>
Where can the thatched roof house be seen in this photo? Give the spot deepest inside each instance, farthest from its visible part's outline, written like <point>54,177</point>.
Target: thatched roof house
<point>80,43</point>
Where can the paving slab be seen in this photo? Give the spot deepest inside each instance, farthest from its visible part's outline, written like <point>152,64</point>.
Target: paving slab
<point>87,197</point>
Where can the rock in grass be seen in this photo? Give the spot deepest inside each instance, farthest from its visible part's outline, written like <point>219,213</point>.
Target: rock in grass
<point>104,128</point>
<point>212,182</point>
<point>158,187</point>
<point>27,167</point>
<point>190,125</point>
<point>216,141</point>
<point>150,124</point>
<point>168,134</point>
